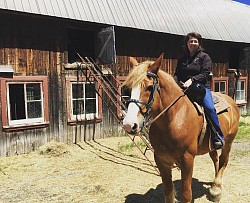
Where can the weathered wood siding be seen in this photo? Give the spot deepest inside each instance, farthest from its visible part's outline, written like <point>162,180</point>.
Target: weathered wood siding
<point>37,46</point>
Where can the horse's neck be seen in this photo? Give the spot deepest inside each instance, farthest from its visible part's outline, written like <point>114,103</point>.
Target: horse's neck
<point>170,91</point>
<point>169,95</point>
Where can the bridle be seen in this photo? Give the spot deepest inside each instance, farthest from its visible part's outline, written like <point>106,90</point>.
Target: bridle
<point>150,102</point>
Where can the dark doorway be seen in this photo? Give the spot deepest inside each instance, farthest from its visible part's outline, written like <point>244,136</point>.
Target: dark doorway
<point>234,58</point>
<point>81,42</point>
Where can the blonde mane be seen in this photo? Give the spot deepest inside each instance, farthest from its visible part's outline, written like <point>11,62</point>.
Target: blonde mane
<point>137,75</point>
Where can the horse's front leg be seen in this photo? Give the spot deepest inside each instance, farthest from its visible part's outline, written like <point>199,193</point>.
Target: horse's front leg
<point>166,176</point>
<point>186,165</point>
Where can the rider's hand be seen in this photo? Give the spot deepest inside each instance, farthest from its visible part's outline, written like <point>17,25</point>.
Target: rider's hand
<point>187,83</point>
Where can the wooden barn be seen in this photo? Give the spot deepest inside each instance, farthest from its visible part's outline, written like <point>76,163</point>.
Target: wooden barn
<point>42,99</point>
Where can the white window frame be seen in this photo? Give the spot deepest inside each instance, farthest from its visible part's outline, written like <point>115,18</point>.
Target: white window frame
<point>89,116</point>
<point>220,80</point>
<point>244,100</point>
<point>26,120</point>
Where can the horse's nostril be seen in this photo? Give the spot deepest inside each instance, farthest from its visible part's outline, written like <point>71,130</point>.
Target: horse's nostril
<point>134,127</point>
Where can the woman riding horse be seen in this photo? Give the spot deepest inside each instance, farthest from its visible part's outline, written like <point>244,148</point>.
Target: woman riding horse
<point>176,127</point>
<point>193,69</point>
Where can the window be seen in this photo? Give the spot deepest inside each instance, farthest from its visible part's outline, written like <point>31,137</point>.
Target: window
<point>83,100</point>
<point>24,100</point>
<point>241,90</point>
<point>220,85</point>
<point>125,95</point>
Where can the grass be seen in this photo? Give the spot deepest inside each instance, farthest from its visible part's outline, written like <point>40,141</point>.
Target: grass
<point>242,136</point>
<point>243,132</point>
<point>245,115</point>
<point>130,146</point>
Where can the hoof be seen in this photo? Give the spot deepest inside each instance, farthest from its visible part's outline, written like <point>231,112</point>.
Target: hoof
<point>215,193</point>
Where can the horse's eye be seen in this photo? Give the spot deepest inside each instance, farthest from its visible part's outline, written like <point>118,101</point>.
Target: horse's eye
<point>149,88</point>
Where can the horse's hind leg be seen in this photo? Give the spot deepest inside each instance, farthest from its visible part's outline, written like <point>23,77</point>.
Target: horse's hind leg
<point>216,189</point>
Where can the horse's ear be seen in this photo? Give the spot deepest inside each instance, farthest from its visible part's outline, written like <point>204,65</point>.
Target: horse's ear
<point>154,68</point>
<point>133,62</point>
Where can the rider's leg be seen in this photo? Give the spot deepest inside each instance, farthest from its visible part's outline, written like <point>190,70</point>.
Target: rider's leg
<point>212,115</point>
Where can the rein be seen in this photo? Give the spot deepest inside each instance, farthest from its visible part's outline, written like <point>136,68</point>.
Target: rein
<point>166,109</point>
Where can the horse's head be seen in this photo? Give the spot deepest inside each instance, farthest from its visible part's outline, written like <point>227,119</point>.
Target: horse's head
<point>143,82</point>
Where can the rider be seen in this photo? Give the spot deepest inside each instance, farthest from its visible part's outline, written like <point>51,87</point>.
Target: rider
<point>195,66</point>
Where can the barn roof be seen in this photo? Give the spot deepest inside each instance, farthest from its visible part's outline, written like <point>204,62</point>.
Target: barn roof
<point>224,20</point>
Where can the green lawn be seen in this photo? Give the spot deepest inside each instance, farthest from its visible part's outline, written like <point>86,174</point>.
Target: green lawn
<point>244,132</point>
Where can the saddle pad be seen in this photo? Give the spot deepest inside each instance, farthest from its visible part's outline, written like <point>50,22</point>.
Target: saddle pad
<point>220,103</point>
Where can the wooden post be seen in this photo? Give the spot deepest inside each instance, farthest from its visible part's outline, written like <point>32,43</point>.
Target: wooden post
<point>231,82</point>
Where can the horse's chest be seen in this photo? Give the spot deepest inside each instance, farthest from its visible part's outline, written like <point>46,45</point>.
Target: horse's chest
<point>166,154</point>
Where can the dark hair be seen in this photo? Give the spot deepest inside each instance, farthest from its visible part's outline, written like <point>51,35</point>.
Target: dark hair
<point>195,35</point>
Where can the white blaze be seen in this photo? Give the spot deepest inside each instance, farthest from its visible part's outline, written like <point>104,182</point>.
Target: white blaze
<point>131,117</point>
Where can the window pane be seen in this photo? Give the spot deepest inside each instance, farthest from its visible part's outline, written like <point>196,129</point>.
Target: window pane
<point>237,95</point>
<point>240,95</point>
<point>242,87</point>
<point>78,107</point>
<point>16,101</point>
<point>77,91</point>
<point>223,87</point>
<point>90,90</point>
<point>240,92</point>
<point>33,92</point>
<point>84,101</point>
<point>126,94</point>
<point>34,109</point>
<point>125,91</point>
<point>90,106</point>
<point>216,87</point>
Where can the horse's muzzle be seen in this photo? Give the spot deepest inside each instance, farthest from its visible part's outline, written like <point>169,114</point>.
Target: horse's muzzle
<point>131,128</point>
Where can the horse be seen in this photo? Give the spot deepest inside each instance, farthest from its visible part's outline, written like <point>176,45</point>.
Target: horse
<point>175,128</point>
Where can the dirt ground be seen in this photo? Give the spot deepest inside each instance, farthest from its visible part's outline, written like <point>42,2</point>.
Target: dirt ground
<point>110,171</point>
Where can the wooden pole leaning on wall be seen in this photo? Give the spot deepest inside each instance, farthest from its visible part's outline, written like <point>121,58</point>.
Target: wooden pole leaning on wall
<point>111,92</point>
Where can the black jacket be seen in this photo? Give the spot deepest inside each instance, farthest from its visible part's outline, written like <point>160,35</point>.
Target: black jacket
<point>197,68</point>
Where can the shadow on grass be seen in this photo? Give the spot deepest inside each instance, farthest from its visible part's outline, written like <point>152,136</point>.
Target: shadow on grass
<point>156,195</point>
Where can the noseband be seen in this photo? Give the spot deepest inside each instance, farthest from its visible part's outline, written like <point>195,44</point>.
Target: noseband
<point>150,102</point>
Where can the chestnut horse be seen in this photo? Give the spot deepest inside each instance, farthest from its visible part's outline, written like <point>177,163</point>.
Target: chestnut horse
<point>176,127</point>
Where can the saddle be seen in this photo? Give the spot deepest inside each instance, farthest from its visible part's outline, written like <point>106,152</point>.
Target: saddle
<point>221,105</point>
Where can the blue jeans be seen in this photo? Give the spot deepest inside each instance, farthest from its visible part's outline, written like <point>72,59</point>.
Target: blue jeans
<point>210,112</point>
